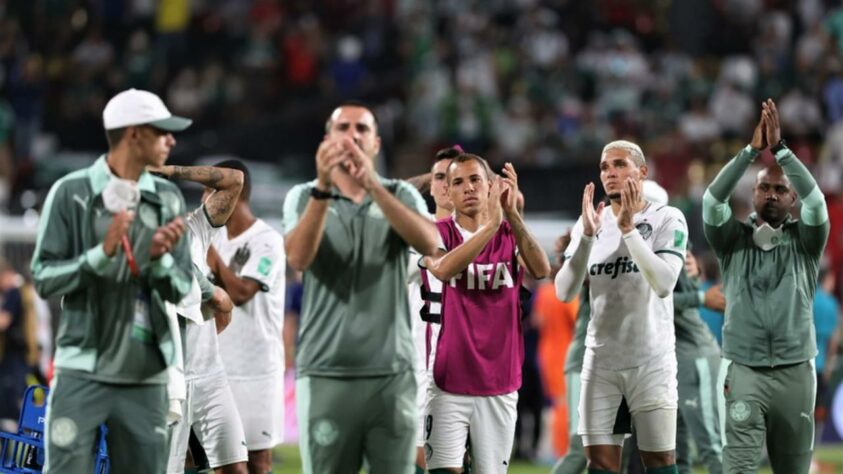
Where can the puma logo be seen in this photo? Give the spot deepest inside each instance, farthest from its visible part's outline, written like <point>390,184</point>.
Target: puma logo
<point>807,417</point>
<point>82,201</point>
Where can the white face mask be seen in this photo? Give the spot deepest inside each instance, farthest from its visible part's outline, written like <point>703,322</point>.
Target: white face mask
<point>120,194</point>
<point>766,237</point>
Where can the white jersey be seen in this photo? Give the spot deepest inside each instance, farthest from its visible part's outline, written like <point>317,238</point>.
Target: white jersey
<point>630,324</point>
<point>202,356</point>
<point>251,346</point>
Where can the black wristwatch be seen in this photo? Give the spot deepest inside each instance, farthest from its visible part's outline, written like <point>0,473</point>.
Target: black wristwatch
<point>781,145</point>
<point>317,194</point>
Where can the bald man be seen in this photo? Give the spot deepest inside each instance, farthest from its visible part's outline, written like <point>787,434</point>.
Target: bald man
<point>769,265</point>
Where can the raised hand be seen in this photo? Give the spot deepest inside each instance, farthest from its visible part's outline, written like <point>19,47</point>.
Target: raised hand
<point>362,167</point>
<point>772,125</point>
<point>759,136</point>
<point>494,211</point>
<point>166,237</point>
<point>328,156</point>
<point>592,218</point>
<point>509,196</point>
<point>116,230</point>
<point>630,198</point>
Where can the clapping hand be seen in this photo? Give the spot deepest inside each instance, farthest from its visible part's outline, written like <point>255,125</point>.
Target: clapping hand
<point>166,237</point>
<point>592,218</point>
<point>630,198</point>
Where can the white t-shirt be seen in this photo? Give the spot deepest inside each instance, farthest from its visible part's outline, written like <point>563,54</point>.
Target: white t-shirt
<point>202,233</point>
<point>202,356</point>
<point>630,324</point>
<point>252,346</point>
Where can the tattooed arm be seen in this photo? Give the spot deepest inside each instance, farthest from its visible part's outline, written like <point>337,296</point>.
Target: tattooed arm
<point>225,182</point>
<point>530,253</point>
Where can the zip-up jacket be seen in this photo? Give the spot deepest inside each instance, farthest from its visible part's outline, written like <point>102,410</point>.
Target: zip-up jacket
<point>769,294</point>
<point>113,326</point>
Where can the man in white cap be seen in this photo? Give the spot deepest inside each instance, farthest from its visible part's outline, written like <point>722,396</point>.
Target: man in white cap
<point>110,245</point>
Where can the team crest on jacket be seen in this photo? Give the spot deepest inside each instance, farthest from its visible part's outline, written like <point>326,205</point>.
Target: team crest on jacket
<point>740,411</point>
<point>645,229</point>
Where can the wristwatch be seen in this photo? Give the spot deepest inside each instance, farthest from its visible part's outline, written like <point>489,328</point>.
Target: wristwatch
<point>317,194</point>
<point>781,145</point>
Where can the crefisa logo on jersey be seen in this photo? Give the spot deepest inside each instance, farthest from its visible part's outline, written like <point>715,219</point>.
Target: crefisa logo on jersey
<point>620,266</point>
<point>645,229</point>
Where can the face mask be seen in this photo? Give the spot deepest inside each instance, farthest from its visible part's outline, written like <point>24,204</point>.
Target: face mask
<point>120,194</point>
<point>766,237</point>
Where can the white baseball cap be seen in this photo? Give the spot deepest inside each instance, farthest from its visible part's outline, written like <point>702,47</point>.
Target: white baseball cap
<point>137,107</point>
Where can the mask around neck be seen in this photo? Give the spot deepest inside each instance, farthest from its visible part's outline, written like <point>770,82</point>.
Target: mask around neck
<point>766,237</point>
<point>120,194</point>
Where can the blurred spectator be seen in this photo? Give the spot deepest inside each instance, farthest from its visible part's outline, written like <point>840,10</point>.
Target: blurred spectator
<point>555,322</point>
<point>826,319</point>
<point>544,83</point>
<point>709,278</point>
<point>18,340</point>
<point>26,94</point>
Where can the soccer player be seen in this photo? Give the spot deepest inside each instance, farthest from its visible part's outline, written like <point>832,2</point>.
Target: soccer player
<point>633,255</point>
<point>426,297</point>
<point>110,245</point>
<point>350,231</point>
<point>209,408</point>
<point>769,265</point>
<point>698,362</point>
<point>477,367</point>
<point>247,260</point>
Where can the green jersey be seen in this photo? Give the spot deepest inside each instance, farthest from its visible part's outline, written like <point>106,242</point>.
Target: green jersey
<point>576,351</point>
<point>113,327</point>
<point>769,293</point>
<point>355,319</point>
<point>693,338</point>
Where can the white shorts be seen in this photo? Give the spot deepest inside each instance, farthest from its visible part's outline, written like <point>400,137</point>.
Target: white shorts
<point>491,421</point>
<point>209,409</point>
<point>424,372</point>
<point>261,406</point>
<point>647,393</point>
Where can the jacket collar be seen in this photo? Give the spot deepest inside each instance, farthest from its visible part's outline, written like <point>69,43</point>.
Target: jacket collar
<point>99,175</point>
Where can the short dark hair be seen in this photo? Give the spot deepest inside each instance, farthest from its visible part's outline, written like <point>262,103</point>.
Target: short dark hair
<point>466,157</point>
<point>246,192</point>
<point>352,103</point>
<point>114,136</point>
<point>448,153</point>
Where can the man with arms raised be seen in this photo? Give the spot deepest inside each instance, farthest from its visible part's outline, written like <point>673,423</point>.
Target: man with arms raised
<point>633,255</point>
<point>209,409</point>
<point>480,350</point>
<point>247,260</point>
<point>769,265</point>
<point>350,232</point>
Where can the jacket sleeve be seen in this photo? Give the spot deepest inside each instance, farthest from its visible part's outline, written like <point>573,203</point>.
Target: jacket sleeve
<point>813,217</point>
<point>172,273</point>
<point>57,269</point>
<point>719,226</point>
<point>685,295</point>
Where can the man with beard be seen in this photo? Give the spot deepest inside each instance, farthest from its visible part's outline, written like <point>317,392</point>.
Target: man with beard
<point>770,265</point>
